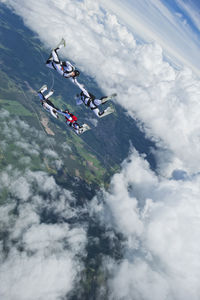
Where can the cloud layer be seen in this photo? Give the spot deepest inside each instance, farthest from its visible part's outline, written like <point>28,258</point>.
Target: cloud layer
<point>40,252</point>
<point>159,219</point>
<point>166,23</point>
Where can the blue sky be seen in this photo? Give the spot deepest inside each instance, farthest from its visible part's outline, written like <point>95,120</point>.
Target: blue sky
<point>176,7</point>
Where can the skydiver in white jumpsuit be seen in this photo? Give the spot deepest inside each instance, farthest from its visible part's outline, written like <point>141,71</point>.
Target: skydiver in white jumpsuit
<point>46,103</point>
<point>91,101</point>
<point>64,68</point>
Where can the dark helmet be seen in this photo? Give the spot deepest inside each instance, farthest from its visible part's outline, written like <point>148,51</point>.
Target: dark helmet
<point>77,73</point>
<point>66,111</point>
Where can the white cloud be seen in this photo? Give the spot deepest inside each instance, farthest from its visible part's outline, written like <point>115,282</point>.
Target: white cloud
<point>93,121</point>
<point>65,147</point>
<point>29,148</point>
<point>154,21</point>
<point>4,114</point>
<point>159,219</point>
<point>50,153</point>
<point>36,277</point>
<point>138,281</point>
<point>41,258</point>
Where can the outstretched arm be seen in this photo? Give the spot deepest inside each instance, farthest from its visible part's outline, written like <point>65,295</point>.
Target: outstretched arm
<point>50,93</point>
<point>63,113</point>
<point>81,87</point>
<point>78,101</point>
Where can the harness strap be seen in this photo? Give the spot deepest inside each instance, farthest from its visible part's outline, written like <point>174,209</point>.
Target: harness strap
<point>53,62</point>
<point>68,72</point>
<point>89,101</point>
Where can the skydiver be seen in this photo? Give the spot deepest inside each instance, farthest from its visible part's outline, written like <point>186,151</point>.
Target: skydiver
<point>64,68</point>
<point>71,120</point>
<point>46,103</point>
<point>91,101</point>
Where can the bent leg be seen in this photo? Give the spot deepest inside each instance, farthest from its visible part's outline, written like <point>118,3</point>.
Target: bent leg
<point>75,125</point>
<point>107,111</point>
<point>55,56</point>
<point>50,93</point>
<point>97,112</point>
<point>54,51</point>
<point>42,89</point>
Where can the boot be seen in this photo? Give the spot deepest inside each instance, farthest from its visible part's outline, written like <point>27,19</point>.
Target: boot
<point>42,89</point>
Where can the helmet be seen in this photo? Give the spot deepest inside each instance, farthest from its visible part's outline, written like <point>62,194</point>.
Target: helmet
<point>77,73</point>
